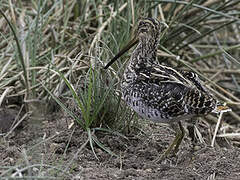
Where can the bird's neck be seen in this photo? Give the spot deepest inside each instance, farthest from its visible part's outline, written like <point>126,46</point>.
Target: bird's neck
<point>145,54</point>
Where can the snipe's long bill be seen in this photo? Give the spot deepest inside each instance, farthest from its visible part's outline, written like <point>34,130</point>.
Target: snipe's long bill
<point>125,49</point>
<point>131,43</point>
<point>161,93</point>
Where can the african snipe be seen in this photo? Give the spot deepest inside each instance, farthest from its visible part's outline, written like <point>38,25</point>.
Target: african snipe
<point>161,93</point>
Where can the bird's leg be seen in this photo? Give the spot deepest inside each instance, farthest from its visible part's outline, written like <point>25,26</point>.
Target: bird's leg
<point>191,130</point>
<point>176,142</point>
<point>181,133</point>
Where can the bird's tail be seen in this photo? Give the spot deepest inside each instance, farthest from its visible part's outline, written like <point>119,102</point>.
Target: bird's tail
<point>221,108</point>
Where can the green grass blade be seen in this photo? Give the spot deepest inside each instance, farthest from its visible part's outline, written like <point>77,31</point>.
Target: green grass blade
<point>90,137</point>
<point>103,147</point>
<point>19,51</point>
<point>64,107</point>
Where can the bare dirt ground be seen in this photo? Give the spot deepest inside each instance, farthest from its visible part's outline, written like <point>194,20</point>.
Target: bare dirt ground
<point>56,145</point>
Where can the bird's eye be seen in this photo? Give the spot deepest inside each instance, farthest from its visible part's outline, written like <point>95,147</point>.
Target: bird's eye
<point>141,23</point>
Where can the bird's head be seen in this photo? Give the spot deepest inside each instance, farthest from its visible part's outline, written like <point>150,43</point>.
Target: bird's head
<point>149,28</point>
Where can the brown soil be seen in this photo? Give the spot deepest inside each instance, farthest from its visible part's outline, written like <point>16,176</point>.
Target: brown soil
<point>56,145</point>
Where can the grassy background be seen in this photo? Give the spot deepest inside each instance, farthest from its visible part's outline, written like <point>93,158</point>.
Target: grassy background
<point>63,46</point>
